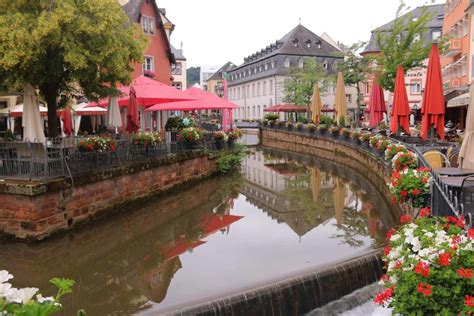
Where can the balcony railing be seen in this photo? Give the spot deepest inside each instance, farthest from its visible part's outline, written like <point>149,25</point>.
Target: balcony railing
<point>454,47</point>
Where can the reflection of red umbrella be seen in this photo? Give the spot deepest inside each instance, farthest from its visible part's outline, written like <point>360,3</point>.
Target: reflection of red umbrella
<point>433,100</point>
<point>66,117</point>
<point>217,222</point>
<point>401,110</point>
<point>132,115</point>
<point>180,248</point>
<point>376,104</point>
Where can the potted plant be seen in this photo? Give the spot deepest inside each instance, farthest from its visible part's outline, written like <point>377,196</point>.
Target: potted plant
<point>191,136</point>
<point>220,138</point>
<point>310,128</point>
<point>97,144</point>
<point>234,135</point>
<point>146,138</point>
<point>364,140</point>
<point>410,187</point>
<point>345,133</point>
<point>404,160</point>
<point>393,149</point>
<point>381,146</point>
<point>299,126</point>
<point>355,137</point>
<point>334,131</point>
<point>322,128</point>
<point>289,125</point>
<point>429,267</point>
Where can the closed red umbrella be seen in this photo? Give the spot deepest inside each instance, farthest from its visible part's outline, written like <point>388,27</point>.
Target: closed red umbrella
<point>376,104</point>
<point>400,117</point>
<point>433,100</point>
<point>132,115</point>
<point>66,117</point>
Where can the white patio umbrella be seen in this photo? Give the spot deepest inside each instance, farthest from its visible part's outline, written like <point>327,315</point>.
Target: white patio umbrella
<point>114,119</point>
<point>32,127</point>
<point>466,154</point>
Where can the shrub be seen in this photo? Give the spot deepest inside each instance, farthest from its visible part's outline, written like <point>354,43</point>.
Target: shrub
<point>231,160</point>
<point>410,186</point>
<point>271,117</point>
<point>430,267</point>
<point>326,120</point>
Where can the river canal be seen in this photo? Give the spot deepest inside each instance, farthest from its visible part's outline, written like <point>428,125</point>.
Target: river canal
<point>281,216</point>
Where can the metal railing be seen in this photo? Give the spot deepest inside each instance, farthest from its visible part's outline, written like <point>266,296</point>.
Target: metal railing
<point>62,158</point>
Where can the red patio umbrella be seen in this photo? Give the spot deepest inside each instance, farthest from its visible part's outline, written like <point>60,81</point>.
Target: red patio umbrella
<point>66,117</point>
<point>400,111</point>
<point>433,100</point>
<point>376,104</point>
<point>132,115</point>
<point>148,92</point>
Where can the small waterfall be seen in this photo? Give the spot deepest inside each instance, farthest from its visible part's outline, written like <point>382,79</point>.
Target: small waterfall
<point>299,295</point>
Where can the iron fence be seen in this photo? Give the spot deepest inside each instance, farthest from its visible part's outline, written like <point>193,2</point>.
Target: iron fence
<point>61,157</point>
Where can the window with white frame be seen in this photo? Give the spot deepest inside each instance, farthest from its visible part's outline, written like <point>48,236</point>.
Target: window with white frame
<point>264,88</point>
<point>176,69</point>
<point>271,86</point>
<point>287,62</point>
<point>238,93</point>
<point>415,87</point>
<point>258,89</point>
<point>435,35</point>
<point>148,64</point>
<point>301,63</point>
<point>148,25</point>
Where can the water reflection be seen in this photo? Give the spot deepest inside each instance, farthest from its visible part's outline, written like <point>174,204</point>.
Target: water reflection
<point>283,215</point>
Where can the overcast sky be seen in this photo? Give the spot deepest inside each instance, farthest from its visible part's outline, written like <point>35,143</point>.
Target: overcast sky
<point>216,31</point>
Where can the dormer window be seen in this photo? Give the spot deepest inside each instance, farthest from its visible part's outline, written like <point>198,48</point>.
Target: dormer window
<point>273,64</point>
<point>308,44</point>
<point>319,44</point>
<point>295,42</point>
<point>148,25</point>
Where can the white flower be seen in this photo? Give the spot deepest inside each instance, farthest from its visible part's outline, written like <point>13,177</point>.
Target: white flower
<point>42,299</point>
<point>5,289</point>
<point>395,237</point>
<point>21,296</point>
<point>5,276</point>
<point>429,234</point>
<point>416,244</point>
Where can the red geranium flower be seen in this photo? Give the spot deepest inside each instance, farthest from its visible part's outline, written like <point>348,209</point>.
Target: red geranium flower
<point>382,297</point>
<point>469,301</point>
<point>404,193</point>
<point>415,192</point>
<point>465,273</point>
<point>390,233</point>
<point>425,212</point>
<point>425,289</point>
<point>423,269</point>
<point>405,219</point>
<point>470,233</point>
<point>444,259</point>
<point>386,250</point>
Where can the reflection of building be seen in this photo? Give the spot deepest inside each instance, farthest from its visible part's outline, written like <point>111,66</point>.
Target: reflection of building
<point>259,82</point>
<point>178,69</point>
<point>414,78</point>
<point>282,190</point>
<point>215,83</point>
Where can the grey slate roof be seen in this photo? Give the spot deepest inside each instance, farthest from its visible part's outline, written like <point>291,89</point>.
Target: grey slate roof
<point>435,10</point>
<point>178,53</point>
<point>218,74</point>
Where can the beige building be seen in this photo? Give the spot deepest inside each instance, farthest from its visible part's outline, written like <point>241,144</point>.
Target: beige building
<point>215,83</point>
<point>178,70</point>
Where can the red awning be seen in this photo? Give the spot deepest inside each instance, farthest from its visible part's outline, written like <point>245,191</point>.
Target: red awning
<point>203,100</point>
<point>287,108</point>
<point>149,92</point>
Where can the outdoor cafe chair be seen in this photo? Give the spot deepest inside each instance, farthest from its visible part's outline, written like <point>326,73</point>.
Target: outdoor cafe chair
<point>467,194</point>
<point>436,159</point>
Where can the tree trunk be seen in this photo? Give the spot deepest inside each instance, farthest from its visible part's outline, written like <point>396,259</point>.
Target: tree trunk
<point>49,94</point>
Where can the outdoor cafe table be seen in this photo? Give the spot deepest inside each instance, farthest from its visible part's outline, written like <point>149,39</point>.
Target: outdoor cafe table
<point>453,182</point>
<point>454,172</point>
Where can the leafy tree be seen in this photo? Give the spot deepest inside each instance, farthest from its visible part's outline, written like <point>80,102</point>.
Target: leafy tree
<point>355,68</point>
<point>193,75</point>
<point>62,46</point>
<point>299,86</point>
<point>403,45</point>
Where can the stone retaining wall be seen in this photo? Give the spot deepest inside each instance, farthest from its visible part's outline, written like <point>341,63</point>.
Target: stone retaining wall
<point>35,210</point>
